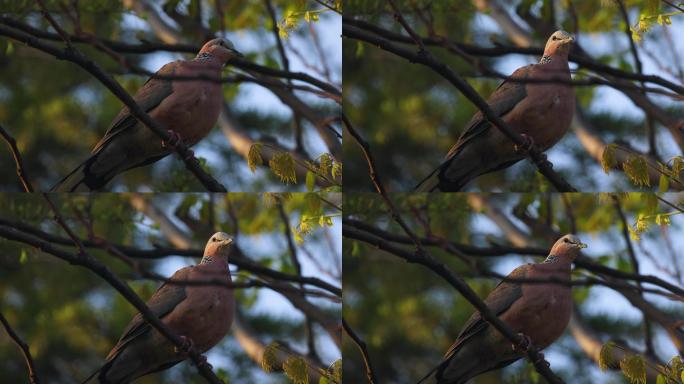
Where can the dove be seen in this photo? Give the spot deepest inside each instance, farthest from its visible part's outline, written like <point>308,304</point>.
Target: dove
<point>188,109</point>
<point>539,312</point>
<point>201,315</point>
<point>540,111</point>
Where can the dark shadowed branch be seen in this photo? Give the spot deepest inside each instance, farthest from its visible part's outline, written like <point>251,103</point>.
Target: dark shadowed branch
<point>21,171</point>
<point>237,256</point>
<point>501,50</point>
<point>361,345</point>
<point>150,47</point>
<point>33,377</point>
<point>502,250</point>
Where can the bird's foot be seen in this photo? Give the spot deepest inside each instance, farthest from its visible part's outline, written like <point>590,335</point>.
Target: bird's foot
<point>524,344</point>
<point>188,344</point>
<point>528,143</point>
<point>174,139</point>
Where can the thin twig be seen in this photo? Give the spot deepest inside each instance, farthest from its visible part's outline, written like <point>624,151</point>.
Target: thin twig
<point>33,376</point>
<point>237,257</point>
<point>18,161</point>
<point>149,47</point>
<point>361,345</point>
<point>498,250</point>
<point>648,341</point>
<point>580,59</point>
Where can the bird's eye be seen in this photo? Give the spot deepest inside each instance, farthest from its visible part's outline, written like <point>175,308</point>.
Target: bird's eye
<point>554,38</point>
<point>566,240</point>
<point>214,239</point>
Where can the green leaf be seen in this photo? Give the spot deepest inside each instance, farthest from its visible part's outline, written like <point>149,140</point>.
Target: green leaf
<point>677,165</point>
<point>336,171</point>
<point>283,165</point>
<point>325,163</point>
<point>296,369</point>
<point>270,360</point>
<point>608,159</point>
<point>254,156</point>
<point>663,184</point>
<point>606,356</point>
<point>634,368</point>
<point>310,181</point>
<point>23,257</point>
<point>661,379</point>
<point>636,168</point>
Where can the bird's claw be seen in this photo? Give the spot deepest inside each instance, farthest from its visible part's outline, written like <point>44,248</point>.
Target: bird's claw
<point>186,347</point>
<point>524,344</point>
<point>174,139</point>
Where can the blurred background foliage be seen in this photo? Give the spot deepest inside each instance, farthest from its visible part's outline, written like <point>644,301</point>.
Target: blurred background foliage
<point>71,318</point>
<point>411,116</point>
<point>57,112</point>
<point>409,316</point>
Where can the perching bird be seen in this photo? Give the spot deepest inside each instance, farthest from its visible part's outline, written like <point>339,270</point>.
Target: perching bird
<point>200,314</point>
<point>539,312</point>
<point>188,109</point>
<point>540,111</point>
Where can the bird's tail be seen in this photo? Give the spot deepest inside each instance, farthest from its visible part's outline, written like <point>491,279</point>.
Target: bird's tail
<point>81,179</point>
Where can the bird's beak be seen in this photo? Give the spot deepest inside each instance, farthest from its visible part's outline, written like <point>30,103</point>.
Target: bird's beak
<point>569,40</point>
<point>581,245</point>
<point>226,242</point>
<point>237,53</point>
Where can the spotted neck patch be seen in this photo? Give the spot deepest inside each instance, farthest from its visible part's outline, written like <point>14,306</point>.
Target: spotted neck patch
<point>551,259</point>
<point>207,260</point>
<point>545,59</point>
<point>204,56</point>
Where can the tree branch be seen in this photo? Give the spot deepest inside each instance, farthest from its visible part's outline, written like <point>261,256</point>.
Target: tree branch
<point>33,376</point>
<point>361,345</point>
<point>21,172</point>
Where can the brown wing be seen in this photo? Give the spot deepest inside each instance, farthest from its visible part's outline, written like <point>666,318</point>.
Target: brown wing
<point>164,300</point>
<point>498,301</point>
<point>152,93</point>
<point>502,101</point>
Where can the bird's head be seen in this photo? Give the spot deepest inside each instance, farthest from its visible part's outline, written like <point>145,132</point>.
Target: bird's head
<point>560,42</point>
<point>218,245</point>
<point>221,49</point>
<point>566,248</point>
